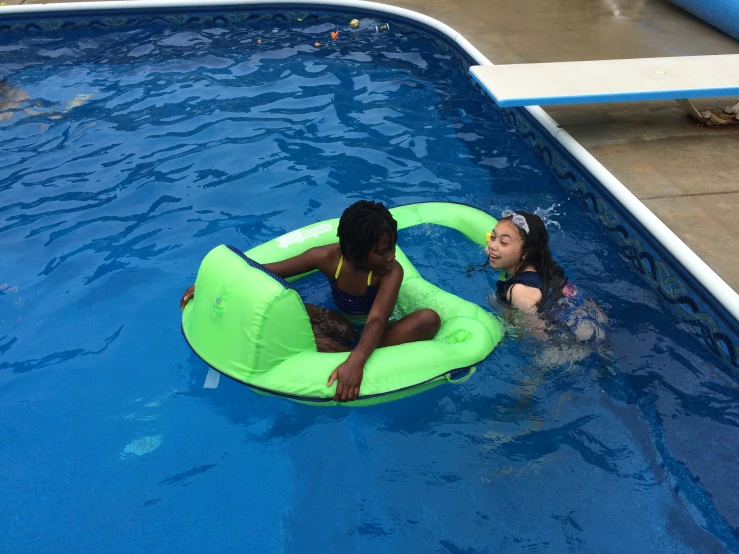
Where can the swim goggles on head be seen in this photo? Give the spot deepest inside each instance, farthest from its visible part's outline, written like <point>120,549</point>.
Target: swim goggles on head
<point>518,220</point>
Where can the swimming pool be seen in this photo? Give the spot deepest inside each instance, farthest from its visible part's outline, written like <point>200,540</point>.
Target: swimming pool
<point>146,145</point>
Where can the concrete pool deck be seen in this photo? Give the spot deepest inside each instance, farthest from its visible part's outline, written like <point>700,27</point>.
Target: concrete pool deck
<point>685,174</point>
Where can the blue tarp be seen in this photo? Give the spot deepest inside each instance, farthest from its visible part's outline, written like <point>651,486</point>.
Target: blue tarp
<point>722,14</point>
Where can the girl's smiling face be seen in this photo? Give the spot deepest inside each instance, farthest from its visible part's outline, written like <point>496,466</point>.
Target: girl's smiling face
<point>505,247</point>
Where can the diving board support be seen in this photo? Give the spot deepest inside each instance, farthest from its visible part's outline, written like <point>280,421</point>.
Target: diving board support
<point>631,80</point>
<point>688,106</point>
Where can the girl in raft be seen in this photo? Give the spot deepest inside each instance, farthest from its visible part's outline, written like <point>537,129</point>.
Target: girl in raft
<point>530,278</point>
<point>365,279</point>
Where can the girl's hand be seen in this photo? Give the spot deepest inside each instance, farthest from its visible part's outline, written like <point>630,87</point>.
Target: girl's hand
<point>349,376</point>
<point>188,295</point>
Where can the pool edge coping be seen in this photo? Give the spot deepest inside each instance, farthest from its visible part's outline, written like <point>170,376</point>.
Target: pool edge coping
<point>684,255</point>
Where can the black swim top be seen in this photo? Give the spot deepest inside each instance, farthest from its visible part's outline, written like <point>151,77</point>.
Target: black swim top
<point>526,278</point>
<point>352,304</point>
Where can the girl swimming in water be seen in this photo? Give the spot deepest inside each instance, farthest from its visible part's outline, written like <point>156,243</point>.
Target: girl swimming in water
<point>562,328</point>
<point>365,280</point>
<point>518,247</point>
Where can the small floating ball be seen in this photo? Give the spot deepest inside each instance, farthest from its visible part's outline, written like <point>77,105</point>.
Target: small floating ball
<point>354,23</point>
<point>259,40</point>
<point>317,44</point>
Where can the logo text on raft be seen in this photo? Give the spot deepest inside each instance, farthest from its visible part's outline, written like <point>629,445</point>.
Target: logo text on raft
<point>300,235</point>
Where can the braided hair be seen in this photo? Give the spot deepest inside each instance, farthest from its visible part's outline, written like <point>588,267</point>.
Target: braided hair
<point>360,228</point>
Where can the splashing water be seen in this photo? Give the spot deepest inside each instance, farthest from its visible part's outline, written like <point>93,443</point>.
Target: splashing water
<point>546,215</point>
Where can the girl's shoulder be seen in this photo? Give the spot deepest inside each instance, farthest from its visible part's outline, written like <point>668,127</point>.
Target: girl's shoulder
<point>332,251</point>
<point>524,289</point>
<point>527,277</point>
<point>326,258</point>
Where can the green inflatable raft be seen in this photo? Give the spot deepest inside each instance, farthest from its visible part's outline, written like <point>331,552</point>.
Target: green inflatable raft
<point>251,325</point>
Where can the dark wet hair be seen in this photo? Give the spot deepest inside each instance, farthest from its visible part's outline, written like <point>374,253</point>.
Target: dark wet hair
<point>536,252</point>
<point>360,228</point>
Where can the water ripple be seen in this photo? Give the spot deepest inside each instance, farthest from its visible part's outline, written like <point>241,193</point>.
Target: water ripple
<point>127,155</point>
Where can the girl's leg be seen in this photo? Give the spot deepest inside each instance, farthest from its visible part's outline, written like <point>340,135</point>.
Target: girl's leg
<point>331,325</point>
<point>587,322</point>
<point>331,329</point>
<point>420,325</point>
<point>327,344</point>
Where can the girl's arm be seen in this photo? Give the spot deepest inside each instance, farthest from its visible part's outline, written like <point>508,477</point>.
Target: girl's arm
<point>524,298</point>
<point>313,258</point>
<point>350,373</point>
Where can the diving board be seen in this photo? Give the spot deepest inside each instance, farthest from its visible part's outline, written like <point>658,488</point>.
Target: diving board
<point>635,80</point>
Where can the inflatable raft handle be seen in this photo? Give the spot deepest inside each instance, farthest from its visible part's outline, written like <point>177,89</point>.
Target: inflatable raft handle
<point>465,373</point>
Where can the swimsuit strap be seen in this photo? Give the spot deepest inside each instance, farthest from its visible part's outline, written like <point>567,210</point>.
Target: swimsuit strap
<point>338,270</point>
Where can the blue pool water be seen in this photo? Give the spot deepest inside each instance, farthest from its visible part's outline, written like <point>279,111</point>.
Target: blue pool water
<point>139,149</point>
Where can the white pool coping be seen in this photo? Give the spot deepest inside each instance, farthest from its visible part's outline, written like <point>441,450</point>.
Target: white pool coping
<point>723,293</point>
